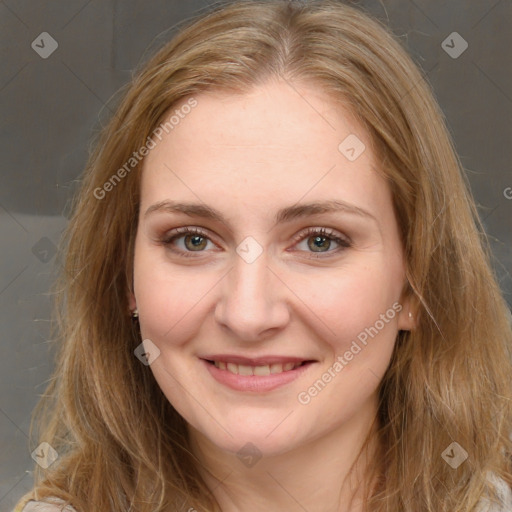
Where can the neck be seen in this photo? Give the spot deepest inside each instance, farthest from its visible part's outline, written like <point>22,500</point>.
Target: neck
<point>324,475</point>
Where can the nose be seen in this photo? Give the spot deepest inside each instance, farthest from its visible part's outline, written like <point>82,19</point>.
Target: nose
<point>253,303</point>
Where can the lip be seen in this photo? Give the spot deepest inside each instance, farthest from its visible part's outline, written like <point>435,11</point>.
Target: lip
<point>256,383</point>
<point>254,361</point>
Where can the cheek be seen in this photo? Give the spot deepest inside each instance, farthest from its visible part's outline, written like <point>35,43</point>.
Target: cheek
<point>168,301</point>
<point>346,302</point>
<point>358,312</point>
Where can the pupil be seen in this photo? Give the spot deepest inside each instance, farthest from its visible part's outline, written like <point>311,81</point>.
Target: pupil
<point>319,243</point>
<point>197,240</point>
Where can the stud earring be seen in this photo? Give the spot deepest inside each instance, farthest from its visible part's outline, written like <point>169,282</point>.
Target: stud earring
<point>410,314</point>
<point>135,313</point>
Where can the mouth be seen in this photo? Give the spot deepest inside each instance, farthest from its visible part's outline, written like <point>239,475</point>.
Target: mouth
<point>258,374</point>
<point>260,370</point>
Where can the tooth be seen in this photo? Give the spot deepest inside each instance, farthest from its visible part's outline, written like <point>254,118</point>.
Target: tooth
<point>261,370</point>
<point>244,370</point>
<point>233,368</point>
<point>276,368</point>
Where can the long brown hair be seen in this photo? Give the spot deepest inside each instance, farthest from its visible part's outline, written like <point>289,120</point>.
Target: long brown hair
<point>121,444</point>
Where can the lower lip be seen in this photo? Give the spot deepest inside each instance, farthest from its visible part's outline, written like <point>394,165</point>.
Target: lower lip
<point>255,382</point>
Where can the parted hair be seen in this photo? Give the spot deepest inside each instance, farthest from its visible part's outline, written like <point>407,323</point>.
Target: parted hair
<point>121,445</point>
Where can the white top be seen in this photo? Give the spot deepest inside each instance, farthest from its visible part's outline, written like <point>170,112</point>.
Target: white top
<point>46,506</point>
<point>504,494</point>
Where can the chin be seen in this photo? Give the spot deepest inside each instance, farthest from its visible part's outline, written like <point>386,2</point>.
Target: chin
<point>268,436</point>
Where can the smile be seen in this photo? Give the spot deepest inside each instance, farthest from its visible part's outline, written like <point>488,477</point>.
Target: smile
<point>268,369</point>
<point>255,375</point>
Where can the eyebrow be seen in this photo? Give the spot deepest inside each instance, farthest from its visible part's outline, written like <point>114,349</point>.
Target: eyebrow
<point>284,215</point>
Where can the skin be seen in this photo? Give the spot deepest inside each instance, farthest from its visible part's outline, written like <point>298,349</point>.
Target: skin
<point>248,156</point>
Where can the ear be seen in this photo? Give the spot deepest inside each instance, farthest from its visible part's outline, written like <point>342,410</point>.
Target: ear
<point>130,295</point>
<point>132,303</point>
<point>408,315</point>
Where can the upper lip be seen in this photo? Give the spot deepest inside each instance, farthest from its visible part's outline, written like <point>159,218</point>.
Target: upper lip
<point>254,361</point>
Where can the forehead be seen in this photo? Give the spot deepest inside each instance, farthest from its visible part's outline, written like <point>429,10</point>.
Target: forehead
<point>281,142</point>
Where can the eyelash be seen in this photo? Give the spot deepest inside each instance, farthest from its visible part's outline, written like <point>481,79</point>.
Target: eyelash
<point>323,232</point>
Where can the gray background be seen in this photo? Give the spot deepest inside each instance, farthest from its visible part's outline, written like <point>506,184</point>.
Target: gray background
<point>51,107</point>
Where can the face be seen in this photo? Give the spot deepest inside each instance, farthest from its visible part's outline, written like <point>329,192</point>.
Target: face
<point>276,315</point>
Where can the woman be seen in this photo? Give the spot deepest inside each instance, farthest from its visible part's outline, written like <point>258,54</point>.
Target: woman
<point>277,295</point>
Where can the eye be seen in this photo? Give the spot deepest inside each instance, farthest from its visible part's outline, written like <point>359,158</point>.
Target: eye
<point>194,240</point>
<point>320,240</point>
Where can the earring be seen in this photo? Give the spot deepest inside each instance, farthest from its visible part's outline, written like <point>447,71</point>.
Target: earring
<point>135,313</point>
<point>410,314</point>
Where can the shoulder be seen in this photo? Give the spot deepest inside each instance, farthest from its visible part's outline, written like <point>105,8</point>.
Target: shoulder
<point>503,494</point>
<point>49,505</point>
